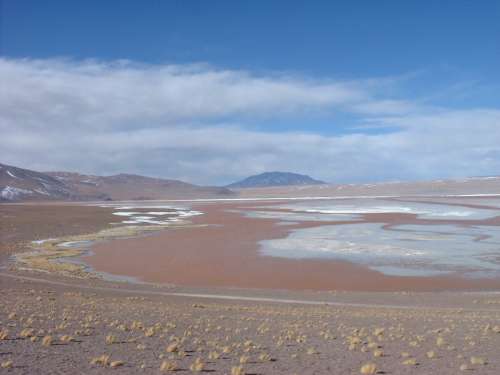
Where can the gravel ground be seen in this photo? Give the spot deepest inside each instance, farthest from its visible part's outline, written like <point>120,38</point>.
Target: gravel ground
<point>61,329</point>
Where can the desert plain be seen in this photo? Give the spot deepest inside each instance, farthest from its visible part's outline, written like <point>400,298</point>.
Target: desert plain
<point>395,285</point>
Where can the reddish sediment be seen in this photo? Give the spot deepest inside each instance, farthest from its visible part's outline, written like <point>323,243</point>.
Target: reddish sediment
<point>225,253</point>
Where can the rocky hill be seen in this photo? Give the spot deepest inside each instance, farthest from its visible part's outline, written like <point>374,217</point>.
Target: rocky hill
<point>18,184</point>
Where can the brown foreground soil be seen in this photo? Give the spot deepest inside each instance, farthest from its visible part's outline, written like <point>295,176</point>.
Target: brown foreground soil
<point>53,329</point>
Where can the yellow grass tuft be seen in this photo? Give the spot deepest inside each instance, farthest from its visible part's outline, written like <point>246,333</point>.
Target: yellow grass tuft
<point>244,359</point>
<point>4,334</point>
<point>410,362</point>
<point>264,357</point>
<point>213,355</point>
<point>172,348</point>
<point>116,364</point>
<point>27,332</point>
<point>378,331</point>
<point>431,354</point>
<point>7,364</point>
<point>197,365</point>
<point>66,338</point>
<point>237,370</point>
<point>102,360</point>
<point>136,325</point>
<point>311,351</point>
<point>168,366</point>
<point>477,361</point>
<point>110,339</point>
<point>378,353</point>
<point>464,367</point>
<point>47,341</point>
<point>440,341</point>
<point>368,369</point>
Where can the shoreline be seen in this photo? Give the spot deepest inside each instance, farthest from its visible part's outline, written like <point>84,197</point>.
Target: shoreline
<point>225,253</point>
<point>234,257</point>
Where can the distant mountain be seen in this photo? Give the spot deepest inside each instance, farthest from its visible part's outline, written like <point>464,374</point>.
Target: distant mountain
<point>22,184</point>
<point>269,179</point>
<point>17,184</point>
<point>135,187</point>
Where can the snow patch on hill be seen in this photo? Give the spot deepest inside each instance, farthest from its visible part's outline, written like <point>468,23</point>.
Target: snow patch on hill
<point>12,193</point>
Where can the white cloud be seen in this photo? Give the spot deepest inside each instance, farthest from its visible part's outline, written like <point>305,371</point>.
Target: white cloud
<point>193,122</point>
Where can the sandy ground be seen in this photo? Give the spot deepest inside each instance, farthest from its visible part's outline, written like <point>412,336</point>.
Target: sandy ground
<point>80,325</point>
<point>56,325</point>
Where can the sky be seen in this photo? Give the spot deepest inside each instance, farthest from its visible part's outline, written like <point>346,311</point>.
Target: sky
<point>213,91</point>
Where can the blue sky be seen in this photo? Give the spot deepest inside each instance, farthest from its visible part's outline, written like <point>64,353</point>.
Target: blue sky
<point>396,90</point>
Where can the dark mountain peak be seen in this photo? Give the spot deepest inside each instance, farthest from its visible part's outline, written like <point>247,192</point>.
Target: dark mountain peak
<point>275,179</point>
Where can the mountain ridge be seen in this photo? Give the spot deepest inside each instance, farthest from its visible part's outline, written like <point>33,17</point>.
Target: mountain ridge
<point>275,178</point>
<point>19,184</point>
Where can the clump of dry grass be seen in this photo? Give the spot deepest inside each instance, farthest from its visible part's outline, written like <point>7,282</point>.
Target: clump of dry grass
<point>477,361</point>
<point>197,365</point>
<point>213,355</point>
<point>440,341</point>
<point>237,370</point>
<point>110,339</point>
<point>431,354</point>
<point>7,364</point>
<point>47,341</point>
<point>66,338</point>
<point>311,351</point>
<point>373,345</point>
<point>379,331</point>
<point>410,362</point>
<point>368,369</point>
<point>27,332</point>
<point>413,344</point>
<point>136,325</point>
<point>168,366</point>
<point>378,353</point>
<point>149,332</point>
<point>264,357</point>
<point>116,364</point>
<point>172,348</point>
<point>244,359</point>
<point>4,334</point>
<point>102,360</point>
